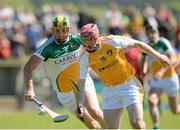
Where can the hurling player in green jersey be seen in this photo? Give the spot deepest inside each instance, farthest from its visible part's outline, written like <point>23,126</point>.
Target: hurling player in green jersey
<point>60,55</point>
<point>162,80</point>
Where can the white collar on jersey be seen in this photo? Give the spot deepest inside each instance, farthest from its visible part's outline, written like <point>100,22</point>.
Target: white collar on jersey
<point>59,42</point>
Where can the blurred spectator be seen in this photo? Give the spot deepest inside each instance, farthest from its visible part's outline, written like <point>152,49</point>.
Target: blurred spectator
<point>114,18</point>
<point>44,36</point>
<point>6,17</point>
<point>93,19</point>
<point>83,16</point>
<point>31,26</point>
<point>18,39</point>
<point>20,15</point>
<point>5,45</point>
<point>136,21</point>
<point>150,15</point>
<point>33,33</point>
<point>166,22</point>
<point>177,37</point>
<point>69,12</point>
<point>47,17</point>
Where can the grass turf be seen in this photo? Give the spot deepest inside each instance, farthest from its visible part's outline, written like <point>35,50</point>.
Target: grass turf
<point>31,120</point>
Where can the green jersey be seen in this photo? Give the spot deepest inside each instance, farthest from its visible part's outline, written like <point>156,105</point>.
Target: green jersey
<point>61,60</point>
<point>163,46</point>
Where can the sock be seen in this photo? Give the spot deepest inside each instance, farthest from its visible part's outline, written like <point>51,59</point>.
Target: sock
<point>156,127</point>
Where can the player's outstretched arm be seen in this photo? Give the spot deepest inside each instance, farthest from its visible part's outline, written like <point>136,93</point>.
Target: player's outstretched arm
<point>32,63</point>
<point>164,60</point>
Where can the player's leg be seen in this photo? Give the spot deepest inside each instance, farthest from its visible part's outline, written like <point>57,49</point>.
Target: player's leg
<point>135,112</point>
<point>89,121</point>
<point>171,87</point>
<point>68,101</point>
<point>92,105</point>
<point>132,99</point>
<point>153,99</point>
<point>112,118</point>
<point>91,102</point>
<point>112,106</point>
<point>174,104</point>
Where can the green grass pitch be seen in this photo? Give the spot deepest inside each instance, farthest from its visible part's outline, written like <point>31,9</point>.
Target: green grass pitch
<point>31,120</point>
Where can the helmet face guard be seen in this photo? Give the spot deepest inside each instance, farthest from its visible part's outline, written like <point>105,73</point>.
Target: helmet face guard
<point>89,32</point>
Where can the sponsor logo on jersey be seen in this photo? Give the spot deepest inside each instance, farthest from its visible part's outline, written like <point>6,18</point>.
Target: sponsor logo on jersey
<point>67,59</point>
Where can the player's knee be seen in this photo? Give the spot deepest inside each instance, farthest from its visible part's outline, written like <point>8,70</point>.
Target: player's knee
<point>89,121</point>
<point>91,124</point>
<point>95,125</point>
<point>95,113</point>
<point>153,100</point>
<point>138,124</point>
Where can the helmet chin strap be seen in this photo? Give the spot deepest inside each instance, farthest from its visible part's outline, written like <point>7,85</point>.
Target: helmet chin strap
<point>91,51</point>
<point>96,48</point>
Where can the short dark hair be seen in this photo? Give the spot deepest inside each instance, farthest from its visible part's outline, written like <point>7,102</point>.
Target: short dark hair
<point>151,28</point>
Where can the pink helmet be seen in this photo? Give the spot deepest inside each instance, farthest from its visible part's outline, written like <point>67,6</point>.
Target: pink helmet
<point>89,31</point>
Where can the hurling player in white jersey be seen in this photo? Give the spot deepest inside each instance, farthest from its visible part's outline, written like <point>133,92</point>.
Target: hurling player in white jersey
<point>105,55</point>
<point>161,80</point>
<point>60,55</point>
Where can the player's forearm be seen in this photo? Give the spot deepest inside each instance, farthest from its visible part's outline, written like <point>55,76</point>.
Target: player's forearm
<point>32,64</point>
<point>147,49</point>
<point>28,79</point>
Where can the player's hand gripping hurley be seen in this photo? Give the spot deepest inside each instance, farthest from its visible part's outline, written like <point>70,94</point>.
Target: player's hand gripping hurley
<point>55,116</point>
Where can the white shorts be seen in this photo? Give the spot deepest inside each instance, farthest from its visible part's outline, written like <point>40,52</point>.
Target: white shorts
<point>169,85</point>
<point>67,99</point>
<point>122,95</point>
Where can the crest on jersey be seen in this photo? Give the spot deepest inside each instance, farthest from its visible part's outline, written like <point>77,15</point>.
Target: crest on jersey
<point>74,45</point>
<point>109,52</point>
